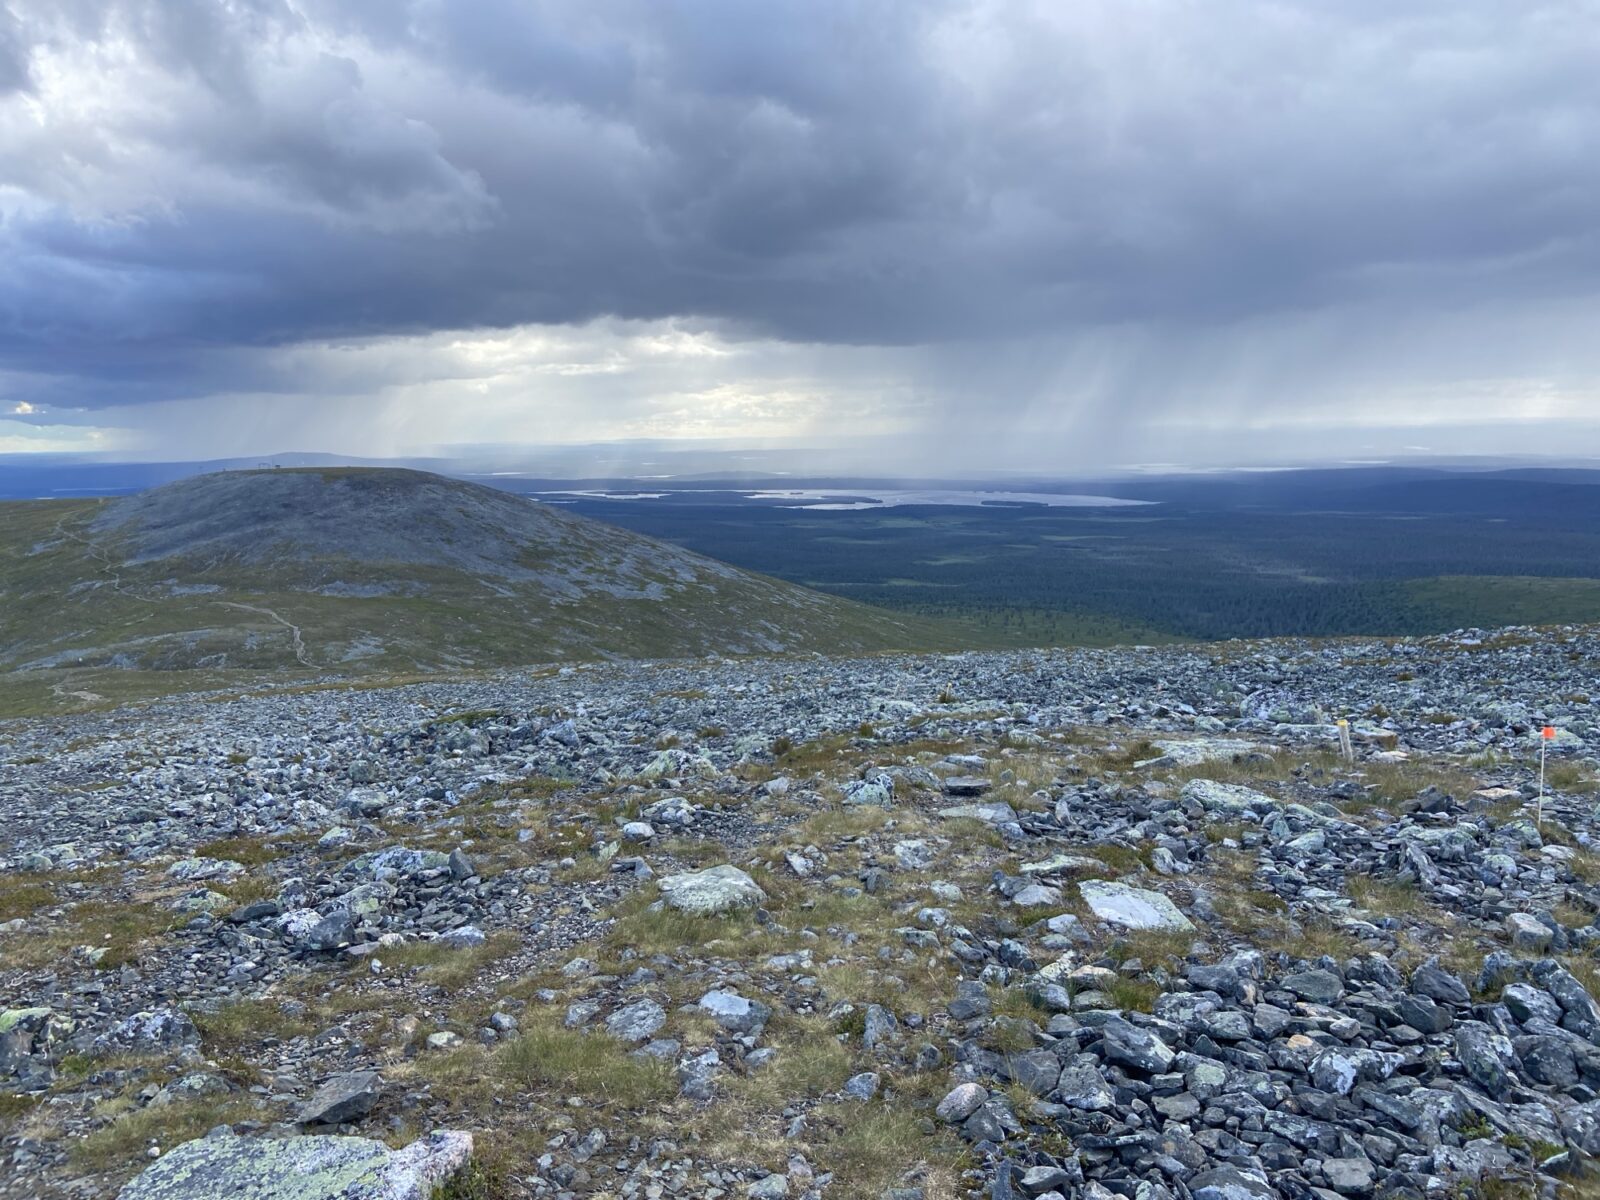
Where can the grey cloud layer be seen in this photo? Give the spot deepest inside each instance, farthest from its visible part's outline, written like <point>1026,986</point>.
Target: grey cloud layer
<point>181,179</point>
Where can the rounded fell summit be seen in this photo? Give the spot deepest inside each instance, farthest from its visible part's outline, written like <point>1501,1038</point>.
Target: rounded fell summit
<point>362,571</point>
<point>366,515</point>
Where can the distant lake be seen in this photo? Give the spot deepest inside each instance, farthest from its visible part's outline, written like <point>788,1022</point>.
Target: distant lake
<point>844,499</point>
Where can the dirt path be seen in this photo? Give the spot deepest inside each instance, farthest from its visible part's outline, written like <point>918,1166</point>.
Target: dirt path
<point>106,567</point>
<point>294,630</point>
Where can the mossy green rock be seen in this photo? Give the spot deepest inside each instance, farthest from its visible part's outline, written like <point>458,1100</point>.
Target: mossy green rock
<point>13,1017</point>
<point>302,1168</point>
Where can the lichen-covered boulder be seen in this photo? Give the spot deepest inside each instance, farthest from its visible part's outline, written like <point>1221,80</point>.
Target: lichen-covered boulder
<point>636,1022</point>
<point>714,890</point>
<point>734,1012</point>
<point>396,860</point>
<point>200,900</point>
<point>31,1019</point>
<point>193,870</point>
<point>147,1032</point>
<point>1228,799</point>
<point>28,1039</point>
<point>673,763</point>
<point>302,1168</point>
<point>876,792</point>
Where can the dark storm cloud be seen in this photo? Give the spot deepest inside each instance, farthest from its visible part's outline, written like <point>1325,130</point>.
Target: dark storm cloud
<point>184,179</point>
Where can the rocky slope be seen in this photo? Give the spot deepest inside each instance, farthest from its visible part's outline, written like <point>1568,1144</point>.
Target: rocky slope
<point>1067,924</point>
<point>345,572</point>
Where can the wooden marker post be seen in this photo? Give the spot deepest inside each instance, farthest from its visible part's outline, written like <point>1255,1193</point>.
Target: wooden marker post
<point>1345,747</point>
<point>1546,736</point>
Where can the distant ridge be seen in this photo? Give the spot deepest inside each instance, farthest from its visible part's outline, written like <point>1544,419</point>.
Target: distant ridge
<point>359,571</point>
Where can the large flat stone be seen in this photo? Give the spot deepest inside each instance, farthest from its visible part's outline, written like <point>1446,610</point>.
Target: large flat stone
<point>1191,752</point>
<point>967,785</point>
<point>1230,798</point>
<point>1131,907</point>
<point>303,1168</point>
<point>994,813</point>
<point>1062,864</point>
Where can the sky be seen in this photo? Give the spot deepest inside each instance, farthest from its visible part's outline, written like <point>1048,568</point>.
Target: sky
<point>928,234</point>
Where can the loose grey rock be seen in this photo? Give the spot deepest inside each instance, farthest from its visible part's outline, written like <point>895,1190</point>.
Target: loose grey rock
<point>159,1029</point>
<point>1085,1088</point>
<point>1484,1055</point>
<point>1528,933</point>
<point>734,1012</point>
<point>1229,1183</point>
<point>914,855</point>
<point>463,937</point>
<point>863,1086</point>
<point>992,814</point>
<point>1317,986</point>
<point>1349,1176</point>
<point>877,792</point>
<point>961,1102</point>
<point>1230,798</point>
<point>636,1022</point>
<point>1129,1046</point>
<point>967,785</point>
<point>346,1097</point>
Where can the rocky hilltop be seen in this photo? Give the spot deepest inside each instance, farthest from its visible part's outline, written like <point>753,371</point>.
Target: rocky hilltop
<point>1087,924</point>
<point>363,572</point>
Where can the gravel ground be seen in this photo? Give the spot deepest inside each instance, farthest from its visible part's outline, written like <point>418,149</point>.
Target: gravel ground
<point>1085,923</point>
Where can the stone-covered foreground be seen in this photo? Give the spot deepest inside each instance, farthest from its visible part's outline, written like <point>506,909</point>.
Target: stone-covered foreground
<point>1088,924</point>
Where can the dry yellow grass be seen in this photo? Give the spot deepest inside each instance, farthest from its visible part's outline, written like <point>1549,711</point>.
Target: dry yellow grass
<point>119,1145</point>
<point>1396,782</point>
<point>22,896</point>
<point>247,1021</point>
<point>121,927</point>
<point>1386,898</point>
<point>448,966</point>
<point>576,1063</point>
